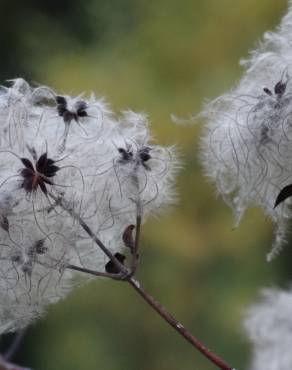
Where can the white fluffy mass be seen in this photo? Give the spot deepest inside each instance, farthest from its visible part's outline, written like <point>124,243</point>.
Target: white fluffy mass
<point>247,147</point>
<point>57,150</point>
<point>268,324</point>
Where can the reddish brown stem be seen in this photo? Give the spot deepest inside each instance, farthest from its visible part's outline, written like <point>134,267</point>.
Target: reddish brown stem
<point>178,326</point>
<point>85,270</point>
<point>136,245</point>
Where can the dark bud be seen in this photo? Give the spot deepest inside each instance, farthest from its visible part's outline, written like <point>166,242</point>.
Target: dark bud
<point>280,88</point>
<point>61,100</point>
<point>62,108</point>
<point>144,154</point>
<point>283,195</point>
<point>267,91</point>
<point>81,107</point>
<point>128,238</point>
<point>126,155</point>
<point>68,116</point>
<point>39,246</point>
<point>111,268</point>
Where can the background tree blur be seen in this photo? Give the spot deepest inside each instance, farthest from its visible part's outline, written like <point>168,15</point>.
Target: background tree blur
<point>162,57</point>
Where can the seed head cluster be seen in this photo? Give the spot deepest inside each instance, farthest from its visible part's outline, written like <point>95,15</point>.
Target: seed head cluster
<point>56,150</point>
<point>247,146</point>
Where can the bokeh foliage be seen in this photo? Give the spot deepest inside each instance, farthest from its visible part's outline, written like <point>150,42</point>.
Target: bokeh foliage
<point>161,57</point>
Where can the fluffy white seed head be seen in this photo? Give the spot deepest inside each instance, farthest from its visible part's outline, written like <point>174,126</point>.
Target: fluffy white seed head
<point>57,150</point>
<point>247,146</point>
<point>268,325</point>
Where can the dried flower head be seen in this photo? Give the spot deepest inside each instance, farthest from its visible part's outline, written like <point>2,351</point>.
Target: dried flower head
<point>247,147</point>
<point>64,159</point>
<point>38,177</point>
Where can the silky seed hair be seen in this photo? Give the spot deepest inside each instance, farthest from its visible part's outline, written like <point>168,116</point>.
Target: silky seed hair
<point>268,326</point>
<point>246,147</point>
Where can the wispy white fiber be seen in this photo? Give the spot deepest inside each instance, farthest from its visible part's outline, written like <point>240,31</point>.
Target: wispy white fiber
<point>56,149</point>
<point>268,325</point>
<point>247,146</point>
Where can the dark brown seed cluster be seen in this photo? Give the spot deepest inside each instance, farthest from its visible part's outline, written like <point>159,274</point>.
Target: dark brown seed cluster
<point>38,248</point>
<point>143,155</point>
<point>26,264</point>
<point>279,89</point>
<point>79,109</point>
<point>38,176</point>
<point>126,155</point>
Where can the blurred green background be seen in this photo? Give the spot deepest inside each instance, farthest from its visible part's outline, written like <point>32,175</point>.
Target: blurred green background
<point>161,57</point>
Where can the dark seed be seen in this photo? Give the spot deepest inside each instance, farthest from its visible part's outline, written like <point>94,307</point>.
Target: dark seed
<point>128,238</point>
<point>111,268</point>
<point>61,100</point>
<point>280,88</point>
<point>40,247</point>
<point>267,91</point>
<point>285,193</point>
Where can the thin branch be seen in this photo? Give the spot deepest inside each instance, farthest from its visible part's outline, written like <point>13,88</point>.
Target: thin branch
<point>120,276</point>
<point>136,244</point>
<point>181,329</point>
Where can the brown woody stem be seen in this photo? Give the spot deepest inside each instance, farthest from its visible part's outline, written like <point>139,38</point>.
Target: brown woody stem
<point>136,245</point>
<point>162,312</point>
<point>152,302</point>
<point>120,276</point>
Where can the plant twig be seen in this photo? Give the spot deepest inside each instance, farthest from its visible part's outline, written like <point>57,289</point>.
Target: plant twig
<point>136,244</point>
<point>120,276</point>
<point>181,329</point>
